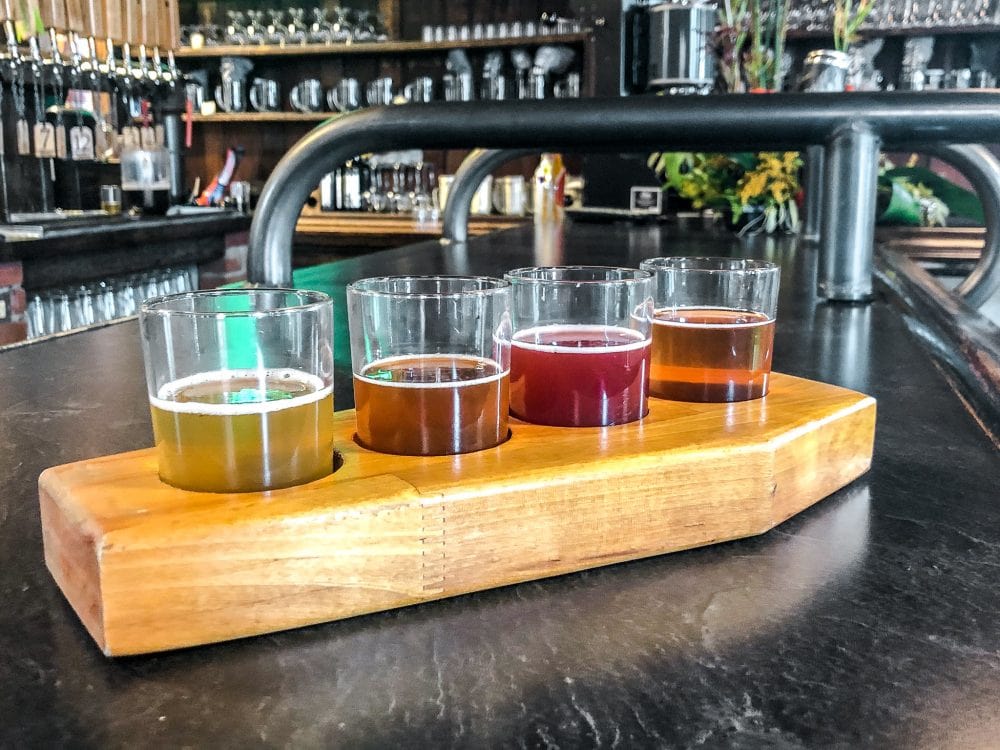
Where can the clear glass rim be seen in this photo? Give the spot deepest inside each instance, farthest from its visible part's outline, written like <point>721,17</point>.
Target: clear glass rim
<point>163,305</point>
<point>709,264</point>
<point>369,287</point>
<point>524,275</point>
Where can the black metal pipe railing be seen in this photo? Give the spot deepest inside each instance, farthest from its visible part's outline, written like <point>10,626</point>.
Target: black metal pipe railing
<point>982,169</point>
<point>965,343</point>
<point>474,169</point>
<point>975,162</point>
<point>732,122</point>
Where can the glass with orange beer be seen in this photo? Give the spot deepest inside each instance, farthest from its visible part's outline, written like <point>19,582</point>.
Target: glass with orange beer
<point>431,361</point>
<point>240,387</point>
<point>713,328</point>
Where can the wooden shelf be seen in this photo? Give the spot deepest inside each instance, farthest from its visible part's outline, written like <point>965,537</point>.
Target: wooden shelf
<point>372,48</point>
<point>873,33</point>
<point>265,117</point>
<point>353,228</point>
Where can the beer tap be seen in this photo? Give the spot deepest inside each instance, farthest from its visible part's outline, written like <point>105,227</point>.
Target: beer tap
<point>95,26</point>
<point>130,133</point>
<point>74,25</point>
<point>81,138</point>
<point>8,29</point>
<point>57,74</point>
<point>133,74</point>
<point>16,69</point>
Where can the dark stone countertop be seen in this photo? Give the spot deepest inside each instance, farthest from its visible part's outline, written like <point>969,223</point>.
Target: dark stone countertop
<point>870,620</point>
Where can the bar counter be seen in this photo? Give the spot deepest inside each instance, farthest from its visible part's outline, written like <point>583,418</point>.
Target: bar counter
<point>870,620</point>
<point>75,250</point>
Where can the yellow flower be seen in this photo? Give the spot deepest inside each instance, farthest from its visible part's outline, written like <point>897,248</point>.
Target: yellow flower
<point>753,186</point>
<point>779,191</point>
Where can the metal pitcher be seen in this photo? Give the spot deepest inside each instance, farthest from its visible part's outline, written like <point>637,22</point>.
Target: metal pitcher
<point>265,95</point>
<point>345,96</point>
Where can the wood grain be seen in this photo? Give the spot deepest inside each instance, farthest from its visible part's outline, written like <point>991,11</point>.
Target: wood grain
<point>148,567</point>
<point>114,21</point>
<point>169,20</point>
<point>75,16</point>
<point>96,24</point>
<point>54,14</point>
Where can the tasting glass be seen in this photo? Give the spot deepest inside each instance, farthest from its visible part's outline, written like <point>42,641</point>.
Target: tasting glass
<point>581,344</point>
<point>713,328</point>
<point>240,385</point>
<point>111,199</point>
<point>431,360</point>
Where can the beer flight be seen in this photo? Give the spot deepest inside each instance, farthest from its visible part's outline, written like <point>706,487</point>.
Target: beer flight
<point>241,381</point>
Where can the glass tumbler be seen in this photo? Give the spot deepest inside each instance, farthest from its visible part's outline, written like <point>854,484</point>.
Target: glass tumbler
<point>240,387</point>
<point>713,328</point>
<point>431,360</point>
<point>581,347</point>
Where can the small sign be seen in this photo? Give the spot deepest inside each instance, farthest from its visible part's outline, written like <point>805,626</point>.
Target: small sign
<point>23,138</point>
<point>45,140</point>
<point>648,200</point>
<point>131,137</point>
<point>147,137</point>
<point>100,141</point>
<point>81,143</point>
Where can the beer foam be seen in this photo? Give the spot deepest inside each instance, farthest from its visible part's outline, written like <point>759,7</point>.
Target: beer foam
<point>703,326</point>
<point>163,400</point>
<point>382,363</point>
<point>568,331</point>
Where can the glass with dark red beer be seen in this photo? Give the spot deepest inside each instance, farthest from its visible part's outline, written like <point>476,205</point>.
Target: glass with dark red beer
<point>713,328</point>
<point>580,350</point>
<point>431,360</point>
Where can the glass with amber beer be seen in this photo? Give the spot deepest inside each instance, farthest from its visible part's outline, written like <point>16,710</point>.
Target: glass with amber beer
<point>240,387</point>
<point>431,361</point>
<point>713,328</point>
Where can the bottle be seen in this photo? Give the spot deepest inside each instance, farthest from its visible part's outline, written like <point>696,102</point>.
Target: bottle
<point>549,188</point>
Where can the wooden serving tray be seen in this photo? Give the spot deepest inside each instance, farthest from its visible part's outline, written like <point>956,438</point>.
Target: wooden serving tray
<point>148,567</point>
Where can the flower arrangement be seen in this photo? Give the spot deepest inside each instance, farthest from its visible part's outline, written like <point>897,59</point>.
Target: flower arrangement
<point>766,48</point>
<point>758,188</point>
<point>750,43</point>
<point>847,19</point>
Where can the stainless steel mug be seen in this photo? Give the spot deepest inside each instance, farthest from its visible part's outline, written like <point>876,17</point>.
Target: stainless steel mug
<point>458,87</point>
<point>265,95</point>
<point>195,93</point>
<point>443,188</point>
<point>825,70</point>
<point>419,90</point>
<point>568,87</point>
<point>345,96</point>
<point>494,87</point>
<point>482,201</point>
<point>307,96</point>
<point>231,95</point>
<point>536,84</point>
<point>379,92</point>
<point>510,196</point>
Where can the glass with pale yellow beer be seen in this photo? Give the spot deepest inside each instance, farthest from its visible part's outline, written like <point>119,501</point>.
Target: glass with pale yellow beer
<point>240,387</point>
